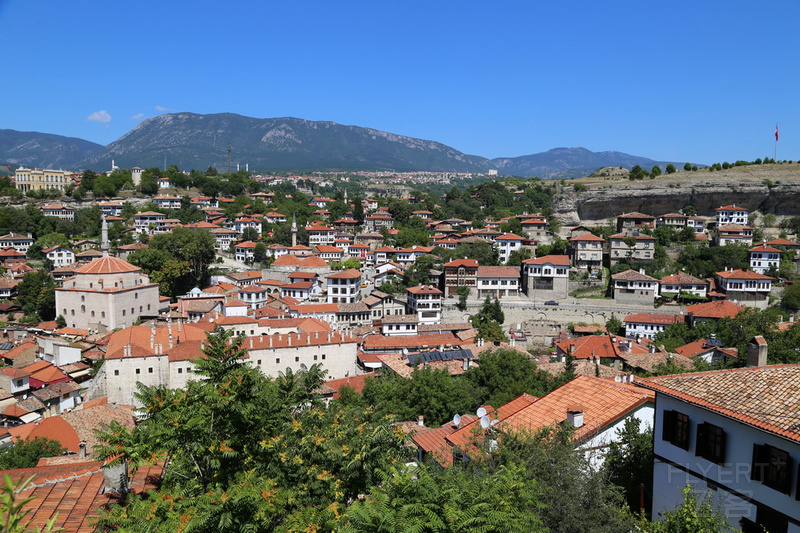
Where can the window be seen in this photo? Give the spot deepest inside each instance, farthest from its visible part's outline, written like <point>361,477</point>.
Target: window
<point>180,370</point>
<point>675,429</point>
<point>277,360</point>
<point>772,467</point>
<point>710,442</point>
<point>116,372</point>
<point>102,314</point>
<point>150,370</point>
<point>138,370</point>
<point>296,359</point>
<point>767,519</point>
<point>83,309</point>
<point>18,382</point>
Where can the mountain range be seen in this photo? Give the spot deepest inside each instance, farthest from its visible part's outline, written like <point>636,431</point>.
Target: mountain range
<point>191,140</point>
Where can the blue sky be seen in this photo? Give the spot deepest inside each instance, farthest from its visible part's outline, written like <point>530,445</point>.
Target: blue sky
<point>685,81</point>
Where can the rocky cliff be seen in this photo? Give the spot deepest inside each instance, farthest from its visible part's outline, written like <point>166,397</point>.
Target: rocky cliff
<point>764,188</point>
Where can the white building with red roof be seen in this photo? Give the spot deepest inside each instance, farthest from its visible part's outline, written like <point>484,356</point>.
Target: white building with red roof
<point>506,244</point>
<point>732,214</point>
<point>426,302</point>
<point>648,325</point>
<point>319,234</point>
<point>344,287</point>
<point>546,278</point>
<point>746,287</point>
<point>733,436</point>
<point>498,281</point>
<point>734,234</point>
<point>106,294</point>
<point>634,288</point>
<point>681,282</point>
<point>763,257</point>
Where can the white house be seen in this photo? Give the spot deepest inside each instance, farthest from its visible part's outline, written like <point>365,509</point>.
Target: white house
<point>506,244</point>
<point>59,255</point>
<point>764,257</point>
<point>647,325</point>
<point>344,287</point>
<point>732,214</point>
<point>426,302</point>
<point>745,286</point>
<point>731,434</point>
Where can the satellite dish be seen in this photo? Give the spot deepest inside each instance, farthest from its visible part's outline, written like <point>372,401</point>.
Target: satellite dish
<point>481,411</point>
<point>457,420</point>
<point>485,423</point>
<point>494,423</point>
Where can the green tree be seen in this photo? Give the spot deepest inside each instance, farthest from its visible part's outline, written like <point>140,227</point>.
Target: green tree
<point>695,514</point>
<point>26,453</point>
<point>463,295</point>
<point>656,171</point>
<point>37,294</point>
<point>250,234</point>
<point>194,247</point>
<point>687,166</point>
<point>671,168</point>
<point>246,453</point>
<point>790,299</point>
<point>629,462</point>
<point>260,252</point>
<point>149,183</point>
<point>502,375</point>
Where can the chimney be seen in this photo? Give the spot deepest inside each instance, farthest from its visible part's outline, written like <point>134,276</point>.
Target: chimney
<point>465,364</point>
<point>575,416</point>
<point>251,343</point>
<point>289,338</point>
<point>421,421</point>
<point>757,351</point>
<point>82,449</point>
<point>116,478</point>
<point>270,340</point>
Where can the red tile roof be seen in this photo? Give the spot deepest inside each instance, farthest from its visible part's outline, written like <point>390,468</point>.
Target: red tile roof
<point>718,309</point>
<point>764,397</point>
<point>603,402</point>
<point>555,260</point>
<point>107,265</point>
<point>742,274</point>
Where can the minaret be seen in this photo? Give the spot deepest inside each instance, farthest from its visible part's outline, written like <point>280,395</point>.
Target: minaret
<point>104,244</point>
<point>294,230</point>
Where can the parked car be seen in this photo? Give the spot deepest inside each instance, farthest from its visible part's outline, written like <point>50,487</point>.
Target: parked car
<point>551,302</point>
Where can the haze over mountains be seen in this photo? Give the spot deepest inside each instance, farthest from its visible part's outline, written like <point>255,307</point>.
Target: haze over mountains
<point>191,140</point>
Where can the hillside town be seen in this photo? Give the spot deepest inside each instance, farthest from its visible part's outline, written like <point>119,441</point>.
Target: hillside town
<point>680,322</point>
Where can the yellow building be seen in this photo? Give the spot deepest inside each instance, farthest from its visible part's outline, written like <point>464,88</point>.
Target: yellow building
<point>34,179</point>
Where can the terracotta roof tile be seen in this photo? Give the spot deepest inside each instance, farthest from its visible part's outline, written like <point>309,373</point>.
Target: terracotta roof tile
<point>603,402</point>
<point>766,397</point>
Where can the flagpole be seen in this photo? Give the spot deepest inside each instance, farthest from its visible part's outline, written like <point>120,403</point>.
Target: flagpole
<point>775,158</point>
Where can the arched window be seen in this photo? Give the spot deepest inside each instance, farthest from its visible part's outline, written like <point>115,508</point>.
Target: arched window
<point>83,298</point>
<point>136,296</point>
<point>123,312</point>
<point>72,312</point>
<point>83,309</point>
<point>102,314</point>
<point>92,314</point>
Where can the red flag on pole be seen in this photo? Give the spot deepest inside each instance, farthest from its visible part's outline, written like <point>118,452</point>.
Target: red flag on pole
<point>776,132</point>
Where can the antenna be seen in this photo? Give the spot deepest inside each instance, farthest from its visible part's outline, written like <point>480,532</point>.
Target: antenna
<point>485,422</point>
<point>457,420</point>
<point>481,412</point>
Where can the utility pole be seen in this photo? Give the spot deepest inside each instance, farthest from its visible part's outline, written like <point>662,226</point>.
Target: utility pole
<point>229,159</point>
